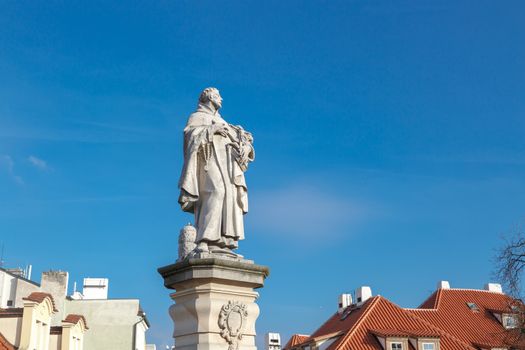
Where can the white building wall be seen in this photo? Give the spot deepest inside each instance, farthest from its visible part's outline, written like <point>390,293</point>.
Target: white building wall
<point>95,288</point>
<point>111,322</point>
<point>14,288</point>
<point>140,336</point>
<point>7,288</point>
<point>55,341</point>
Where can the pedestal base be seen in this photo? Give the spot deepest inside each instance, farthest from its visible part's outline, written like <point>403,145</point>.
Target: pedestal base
<point>214,303</point>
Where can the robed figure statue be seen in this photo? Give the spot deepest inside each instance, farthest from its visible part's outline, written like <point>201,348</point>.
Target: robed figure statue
<point>212,184</point>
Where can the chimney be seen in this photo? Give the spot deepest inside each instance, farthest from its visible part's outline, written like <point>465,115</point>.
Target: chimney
<point>443,285</point>
<point>95,288</point>
<point>345,300</point>
<point>273,341</point>
<point>55,283</point>
<point>494,287</point>
<point>362,294</point>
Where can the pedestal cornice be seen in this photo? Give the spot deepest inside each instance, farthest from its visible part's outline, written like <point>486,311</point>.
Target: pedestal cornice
<point>177,275</point>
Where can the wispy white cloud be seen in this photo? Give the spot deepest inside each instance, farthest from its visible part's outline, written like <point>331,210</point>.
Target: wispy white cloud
<point>306,210</point>
<point>38,163</point>
<point>7,163</point>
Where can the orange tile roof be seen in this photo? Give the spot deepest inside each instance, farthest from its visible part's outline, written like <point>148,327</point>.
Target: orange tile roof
<point>72,318</point>
<point>39,297</point>
<point>295,339</point>
<point>448,310</point>
<point>445,314</point>
<point>4,344</point>
<point>360,328</point>
<point>383,314</point>
<point>405,333</point>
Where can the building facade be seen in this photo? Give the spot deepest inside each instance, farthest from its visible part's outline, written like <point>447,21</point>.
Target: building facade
<point>44,317</point>
<point>29,327</point>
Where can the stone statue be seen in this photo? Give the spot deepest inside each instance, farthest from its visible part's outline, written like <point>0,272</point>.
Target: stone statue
<point>212,184</point>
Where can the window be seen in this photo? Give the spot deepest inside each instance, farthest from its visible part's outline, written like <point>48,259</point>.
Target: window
<point>9,303</point>
<point>396,346</point>
<point>510,321</point>
<point>429,346</point>
<point>473,307</point>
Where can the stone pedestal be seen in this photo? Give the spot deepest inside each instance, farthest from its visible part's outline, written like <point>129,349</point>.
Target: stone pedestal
<point>215,305</point>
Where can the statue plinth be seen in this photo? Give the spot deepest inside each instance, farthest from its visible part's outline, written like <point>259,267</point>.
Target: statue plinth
<point>215,305</point>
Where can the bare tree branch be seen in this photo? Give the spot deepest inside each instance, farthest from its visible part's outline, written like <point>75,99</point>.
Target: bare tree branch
<point>510,265</point>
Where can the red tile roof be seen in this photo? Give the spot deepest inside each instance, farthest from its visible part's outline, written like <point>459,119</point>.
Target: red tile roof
<point>39,297</point>
<point>406,333</point>
<point>383,314</point>
<point>445,314</point>
<point>72,318</point>
<point>448,310</point>
<point>295,339</point>
<point>357,328</point>
<point>5,345</point>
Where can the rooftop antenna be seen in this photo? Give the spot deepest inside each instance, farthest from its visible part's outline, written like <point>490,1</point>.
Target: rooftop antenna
<point>2,256</point>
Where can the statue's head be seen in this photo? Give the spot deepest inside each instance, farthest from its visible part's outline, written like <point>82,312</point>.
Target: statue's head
<point>211,96</point>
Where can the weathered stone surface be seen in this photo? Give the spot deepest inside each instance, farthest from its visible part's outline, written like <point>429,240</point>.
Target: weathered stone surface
<point>212,184</point>
<point>206,292</point>
<point>228,271</point>
<point>187,238</point>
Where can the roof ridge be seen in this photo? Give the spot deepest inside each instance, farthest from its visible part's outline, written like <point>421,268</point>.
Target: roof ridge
<point>418,309</point>
<point>434,295</point>
<point>360,320</point>
<point>430,325</point>
<point>437,302</point>
<point>290,343</point>
<point>321,326</point>
<point>474,290</point>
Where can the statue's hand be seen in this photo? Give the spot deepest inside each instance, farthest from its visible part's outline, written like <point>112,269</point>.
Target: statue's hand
<point>249,136</point>
<point>240,154</point>
<point>220,129</point>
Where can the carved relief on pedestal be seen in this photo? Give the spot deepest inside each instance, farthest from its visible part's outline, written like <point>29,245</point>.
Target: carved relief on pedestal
<point>232,320</point>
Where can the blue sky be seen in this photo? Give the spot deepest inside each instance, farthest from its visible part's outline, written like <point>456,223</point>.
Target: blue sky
<point>389,141</point>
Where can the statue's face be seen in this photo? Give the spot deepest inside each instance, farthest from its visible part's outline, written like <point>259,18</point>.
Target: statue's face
<point>216,99</point>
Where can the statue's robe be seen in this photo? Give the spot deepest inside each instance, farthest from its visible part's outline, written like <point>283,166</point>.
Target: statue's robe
<point>212,184</point>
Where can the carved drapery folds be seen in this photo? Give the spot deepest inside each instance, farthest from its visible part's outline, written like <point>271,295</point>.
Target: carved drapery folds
<point>232,321</point>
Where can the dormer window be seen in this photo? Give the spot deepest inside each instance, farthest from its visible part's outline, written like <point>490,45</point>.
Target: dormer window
<point>428,346</point>
<point>406,339</point>
<point>510,321</point>
<point>396,346</point>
